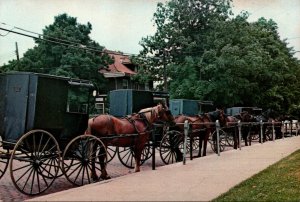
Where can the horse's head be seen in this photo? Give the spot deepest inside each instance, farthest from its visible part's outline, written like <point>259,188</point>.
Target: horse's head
<point>164,114</point>
<point>218,115</point>
<point>247,117</point>
<point>158,113</point>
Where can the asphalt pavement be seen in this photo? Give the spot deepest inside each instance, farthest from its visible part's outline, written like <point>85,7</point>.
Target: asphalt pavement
<point>201,179</point>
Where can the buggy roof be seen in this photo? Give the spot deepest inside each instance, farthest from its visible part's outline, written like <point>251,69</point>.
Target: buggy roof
<point>71,81</point>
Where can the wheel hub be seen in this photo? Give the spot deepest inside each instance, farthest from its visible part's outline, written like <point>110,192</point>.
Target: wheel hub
<point>37,163</point>
<point>85,161</point>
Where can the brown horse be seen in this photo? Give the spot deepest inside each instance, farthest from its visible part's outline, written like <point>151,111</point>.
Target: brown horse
<point>231,128</point>
<point>133,130</point>
<point>201,126</point>
<point>248,128</point>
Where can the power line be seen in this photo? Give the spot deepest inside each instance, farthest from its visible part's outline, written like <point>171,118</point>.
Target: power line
<point>297,37</point>
<point>76,45</point>
<point>7,33</point>
<point>63,41</point>
<point>69,43</point>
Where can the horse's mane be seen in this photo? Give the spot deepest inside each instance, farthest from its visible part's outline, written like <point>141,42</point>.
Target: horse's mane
<point>148,112</point>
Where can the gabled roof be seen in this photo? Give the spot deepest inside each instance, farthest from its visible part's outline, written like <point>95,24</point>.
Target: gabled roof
<point>118,68</point>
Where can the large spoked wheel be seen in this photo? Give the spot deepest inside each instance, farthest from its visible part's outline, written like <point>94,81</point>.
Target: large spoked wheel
<point>222,141</point>
<point>229,137</point>
<point>254,136</point>
<point>4,159</point>
<point>35,162</point>
<point>126,155</point>
<point>171,147</point>
<point>196,143</point>
<point>111,153</point>
<point>83,159</point>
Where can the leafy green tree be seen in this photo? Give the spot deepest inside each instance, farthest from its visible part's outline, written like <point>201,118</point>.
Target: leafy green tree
<point>60,51</point>
<point>212,56</point>
<point>180,27</point>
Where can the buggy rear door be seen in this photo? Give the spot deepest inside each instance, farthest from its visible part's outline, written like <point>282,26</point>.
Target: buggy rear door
<point>16,106</point>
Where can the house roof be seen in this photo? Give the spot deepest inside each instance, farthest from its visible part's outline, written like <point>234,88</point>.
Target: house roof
<point>118,68</point>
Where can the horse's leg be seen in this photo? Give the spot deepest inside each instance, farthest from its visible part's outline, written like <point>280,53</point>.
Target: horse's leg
<point>94,175</point>
<point>235,139</point>
<point>176,142</point>
<point>207,133</point>
<point>137,157</point>
<point>102,159</point>
<point>245,134</point>
<point>264,134</point>
<point>200,143</point>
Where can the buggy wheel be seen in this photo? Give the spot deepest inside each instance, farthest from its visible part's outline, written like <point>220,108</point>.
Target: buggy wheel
<point>229,137</point>
<point>126,155</point>
<point>222,141</point>
<point>79,156</point>
<point>269,133</point>
<point>4,160</point>
<point>111,153</point>
<point>35,162</point>
<point>196,143</point>
<point>171,147</point>
<point>254,136</point>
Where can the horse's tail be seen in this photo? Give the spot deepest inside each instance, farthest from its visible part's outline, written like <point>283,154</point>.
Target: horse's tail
<point>89,129</point>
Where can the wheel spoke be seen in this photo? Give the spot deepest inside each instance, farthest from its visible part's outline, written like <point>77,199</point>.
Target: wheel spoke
<point>74,169</point>
<point>78,174</point>
<point>40,142</point>
<point>24,174</point>
<point>83,170</point>
<point>38,181</point>
<point>48,172</point>
<point>45,145</point>
<point>21,167</point>
<point>32,182</point>
<point>87,171</point>
<point>27,178</point>
<point>43,177</point>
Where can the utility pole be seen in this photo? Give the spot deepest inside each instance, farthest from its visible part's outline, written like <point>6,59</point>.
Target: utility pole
<point>165,71</point>
<point>17,51</point>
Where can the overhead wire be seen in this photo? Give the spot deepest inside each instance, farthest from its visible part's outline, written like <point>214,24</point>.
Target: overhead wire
<point>73,44</point>
<point>81,46</point>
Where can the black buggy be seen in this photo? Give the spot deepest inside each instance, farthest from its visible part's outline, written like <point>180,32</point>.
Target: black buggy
<point>42,122</point>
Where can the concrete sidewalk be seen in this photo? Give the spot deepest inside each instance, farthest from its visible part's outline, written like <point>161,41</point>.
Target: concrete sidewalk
<point>201,179</point>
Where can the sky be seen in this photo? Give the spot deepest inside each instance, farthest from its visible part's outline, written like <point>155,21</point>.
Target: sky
<point>121,24</point>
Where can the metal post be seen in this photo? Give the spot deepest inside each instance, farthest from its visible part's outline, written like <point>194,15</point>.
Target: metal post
<point>273,130</point>
<point>285,126</point>
<point>240,133</point>
<point>218,136</point>
<point>291,127</point>
<point>297,128</point>
<point>153,148</point>
<point>261,132</point>
<point>191,146</point>
<point>186,131</point>
<point>17,52</point>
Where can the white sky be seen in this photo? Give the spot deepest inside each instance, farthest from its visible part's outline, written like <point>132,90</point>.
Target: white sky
<point>121,24</point>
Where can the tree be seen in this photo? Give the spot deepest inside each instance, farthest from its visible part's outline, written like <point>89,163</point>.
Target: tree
<point>212,56</point>
<point>180,25</point>
<point>60,52</point>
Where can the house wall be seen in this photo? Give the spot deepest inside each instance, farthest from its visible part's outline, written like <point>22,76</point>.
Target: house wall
<point>117,83</point>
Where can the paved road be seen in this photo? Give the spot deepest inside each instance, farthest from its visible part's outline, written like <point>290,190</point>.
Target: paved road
<point>8,192</point>
<point>202,179</point>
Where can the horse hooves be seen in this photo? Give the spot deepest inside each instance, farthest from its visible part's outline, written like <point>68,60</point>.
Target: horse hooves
<point>95,178</point>
<point>106,177</point>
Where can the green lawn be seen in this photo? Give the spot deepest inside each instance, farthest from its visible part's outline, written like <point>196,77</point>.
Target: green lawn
<point>279,182</point>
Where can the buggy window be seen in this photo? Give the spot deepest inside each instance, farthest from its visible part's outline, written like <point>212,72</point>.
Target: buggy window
<point>78,98</point>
